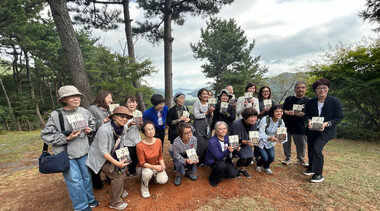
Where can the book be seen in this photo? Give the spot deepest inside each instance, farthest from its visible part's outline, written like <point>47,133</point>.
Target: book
<point>234,141</point>
<point>248,95</point>
<point>297,108</point>
<point>281,133</point>
<point>76,122</point>
<point>123,153</point>
<point>316,123</point>
<point>233,97</point>
<point>212,102</point>
<point>137,117</point>
<point>254,137</point>
<point>113,106</point>
<point>192,154</point>
<point>186,114</point>
<point>268,103</point>
<point>223,107</point>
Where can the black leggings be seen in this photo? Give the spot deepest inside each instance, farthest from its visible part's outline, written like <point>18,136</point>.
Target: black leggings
<point>244,162</point>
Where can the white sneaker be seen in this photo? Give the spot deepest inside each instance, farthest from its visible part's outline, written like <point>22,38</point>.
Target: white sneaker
<point>125,194</point>
<point>268,171</point>
<point>144,191</point>
<point>120,207</point>
<point>258,169</point>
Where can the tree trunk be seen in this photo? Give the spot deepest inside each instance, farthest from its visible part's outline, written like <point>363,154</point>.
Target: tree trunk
<point>168,41</point>
<point>30,127</point>
<point>18,125</point>
<point>16,71</point>
<point>131,52</point>
<point>71,46</point>
<point>7,98</point>
<point>51,96</point>
<point>31,89</point>
<point>7,125</point>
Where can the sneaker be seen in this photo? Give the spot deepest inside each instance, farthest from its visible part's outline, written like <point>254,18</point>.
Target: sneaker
<point>120,207</point>
<point>303,164</point>
<point>252,162</point>
<point>258,168</point>
<point>286,162</point>
<point>125,194</point>
<point>245,174</point>
<point>268,171</point>
<point>191,176</point>
<point>317,178</point>
<point>308,172</point>
<point>144,191</point>
<point>177,180</point>
<point>94,204</point>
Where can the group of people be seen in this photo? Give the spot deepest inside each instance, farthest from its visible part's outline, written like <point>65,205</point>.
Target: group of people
<point>98,140</point>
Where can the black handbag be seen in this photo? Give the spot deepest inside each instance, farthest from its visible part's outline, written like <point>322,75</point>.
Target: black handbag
<point>49,164</point>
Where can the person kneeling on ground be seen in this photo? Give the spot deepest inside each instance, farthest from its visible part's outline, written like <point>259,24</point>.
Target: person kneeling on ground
<point>151,161</point>
<point>177,151</point>
<point>267,129</point>
<point>218,155</point>
<point>102,155</point>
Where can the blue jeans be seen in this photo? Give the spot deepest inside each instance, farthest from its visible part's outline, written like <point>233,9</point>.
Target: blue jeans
<point>267,157</point>
<point>79,184</point>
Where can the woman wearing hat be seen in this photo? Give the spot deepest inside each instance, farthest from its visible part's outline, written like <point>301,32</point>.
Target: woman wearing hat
<point>75,141</point>
<point>228,114</point>
<point>244,102</point>
<point>177,115</point>
<point>157,115</point>
<point>100,111</point>
<point>102,155</point>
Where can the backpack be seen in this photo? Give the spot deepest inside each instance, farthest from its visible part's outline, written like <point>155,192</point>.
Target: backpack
<point>268,122</point>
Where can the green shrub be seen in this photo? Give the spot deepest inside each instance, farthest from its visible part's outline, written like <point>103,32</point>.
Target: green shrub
<point>354,133</point>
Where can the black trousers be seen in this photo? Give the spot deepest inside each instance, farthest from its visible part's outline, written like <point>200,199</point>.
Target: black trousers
<point>161,135</point>
<point>244,162</point>
<point>315,144</point>
<point>133,164</point>
<point>222,169</point>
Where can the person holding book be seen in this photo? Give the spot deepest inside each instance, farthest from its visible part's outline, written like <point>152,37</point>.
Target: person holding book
<point>177,114</point>
<point>183,152</point>
<point>294,118</point>
<point>107,155</point>
<point>265,101</point>
<point>330,109</point>
<point>157,115</point>
<point>202,118</point>
<point>72,136</point>
<point>132,133</point>
<point>241,127</point>
<point>99,109</point>
<point>223,110</point>
<point>267,132</point>
<point>219,154</point>
<point>151,161</point>
<point>248,101</point>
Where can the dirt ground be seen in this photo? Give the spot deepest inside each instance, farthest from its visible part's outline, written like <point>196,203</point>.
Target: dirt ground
<point>24,188</point>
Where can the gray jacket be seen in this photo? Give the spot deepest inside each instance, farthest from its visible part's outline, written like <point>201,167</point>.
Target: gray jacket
<point>53,136</point>
<point>103,143</point>
<point>98,115</point>
<point>132,135</point>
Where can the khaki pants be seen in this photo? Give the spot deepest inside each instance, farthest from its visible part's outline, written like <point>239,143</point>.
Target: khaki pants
<point>147,174</point>
<point>117,184</point>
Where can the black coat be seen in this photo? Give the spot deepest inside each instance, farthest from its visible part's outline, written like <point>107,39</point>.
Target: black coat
<point>172,115</point>
<point>222,117</point>
<point>331,111</point>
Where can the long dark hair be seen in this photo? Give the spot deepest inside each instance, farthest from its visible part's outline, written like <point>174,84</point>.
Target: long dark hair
<point>201,91</point>
<point>100,99</point>
<point>260,95</point>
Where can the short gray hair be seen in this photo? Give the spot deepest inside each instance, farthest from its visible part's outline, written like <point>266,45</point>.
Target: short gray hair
<point>298,83</point>
<point>218,123</point>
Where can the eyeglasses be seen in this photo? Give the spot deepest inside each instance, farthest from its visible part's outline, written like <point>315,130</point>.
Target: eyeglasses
<point>187,133</point>
<point>322,88</point>
<point>123,116</point>
<point>265,91</point>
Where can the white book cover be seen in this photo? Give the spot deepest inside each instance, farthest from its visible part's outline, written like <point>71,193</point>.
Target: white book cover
<point>254,137</point>
<point>137,117</point>
<point>76,122</point>
<point>223,107</point>
<point>267,103</point>
<point>298,107</point>
<point>113,106</point>
<point>248,95</point>
<point>316,123</point>
<point>234,141</point>
<point>212,101</point>
<point>192,154</point>
<point>281,133</point>
<point>123,153</point>
<point>186,114</point>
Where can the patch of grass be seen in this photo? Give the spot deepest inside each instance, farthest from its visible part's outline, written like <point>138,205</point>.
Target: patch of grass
<point>16,145</point>
<point>243,203</point>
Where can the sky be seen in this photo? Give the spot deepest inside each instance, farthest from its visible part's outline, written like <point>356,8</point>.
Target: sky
<point>287,33</point>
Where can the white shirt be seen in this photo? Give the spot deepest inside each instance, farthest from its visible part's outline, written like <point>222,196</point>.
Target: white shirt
<point>222,145</point>
<point>160,121</point>
<point>264,142</point>
<point>320,106</point>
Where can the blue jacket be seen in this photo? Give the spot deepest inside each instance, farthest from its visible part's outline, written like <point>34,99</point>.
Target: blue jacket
<point>151,115</point>
<point>214,150</point>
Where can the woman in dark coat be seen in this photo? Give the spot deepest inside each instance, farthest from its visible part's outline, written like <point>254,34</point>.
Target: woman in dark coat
<point>226,115</point>
<point>177,115</point>
<point>330,108</point>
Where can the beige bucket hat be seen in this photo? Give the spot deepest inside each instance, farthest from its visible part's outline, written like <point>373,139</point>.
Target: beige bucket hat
<point>67,91</point>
